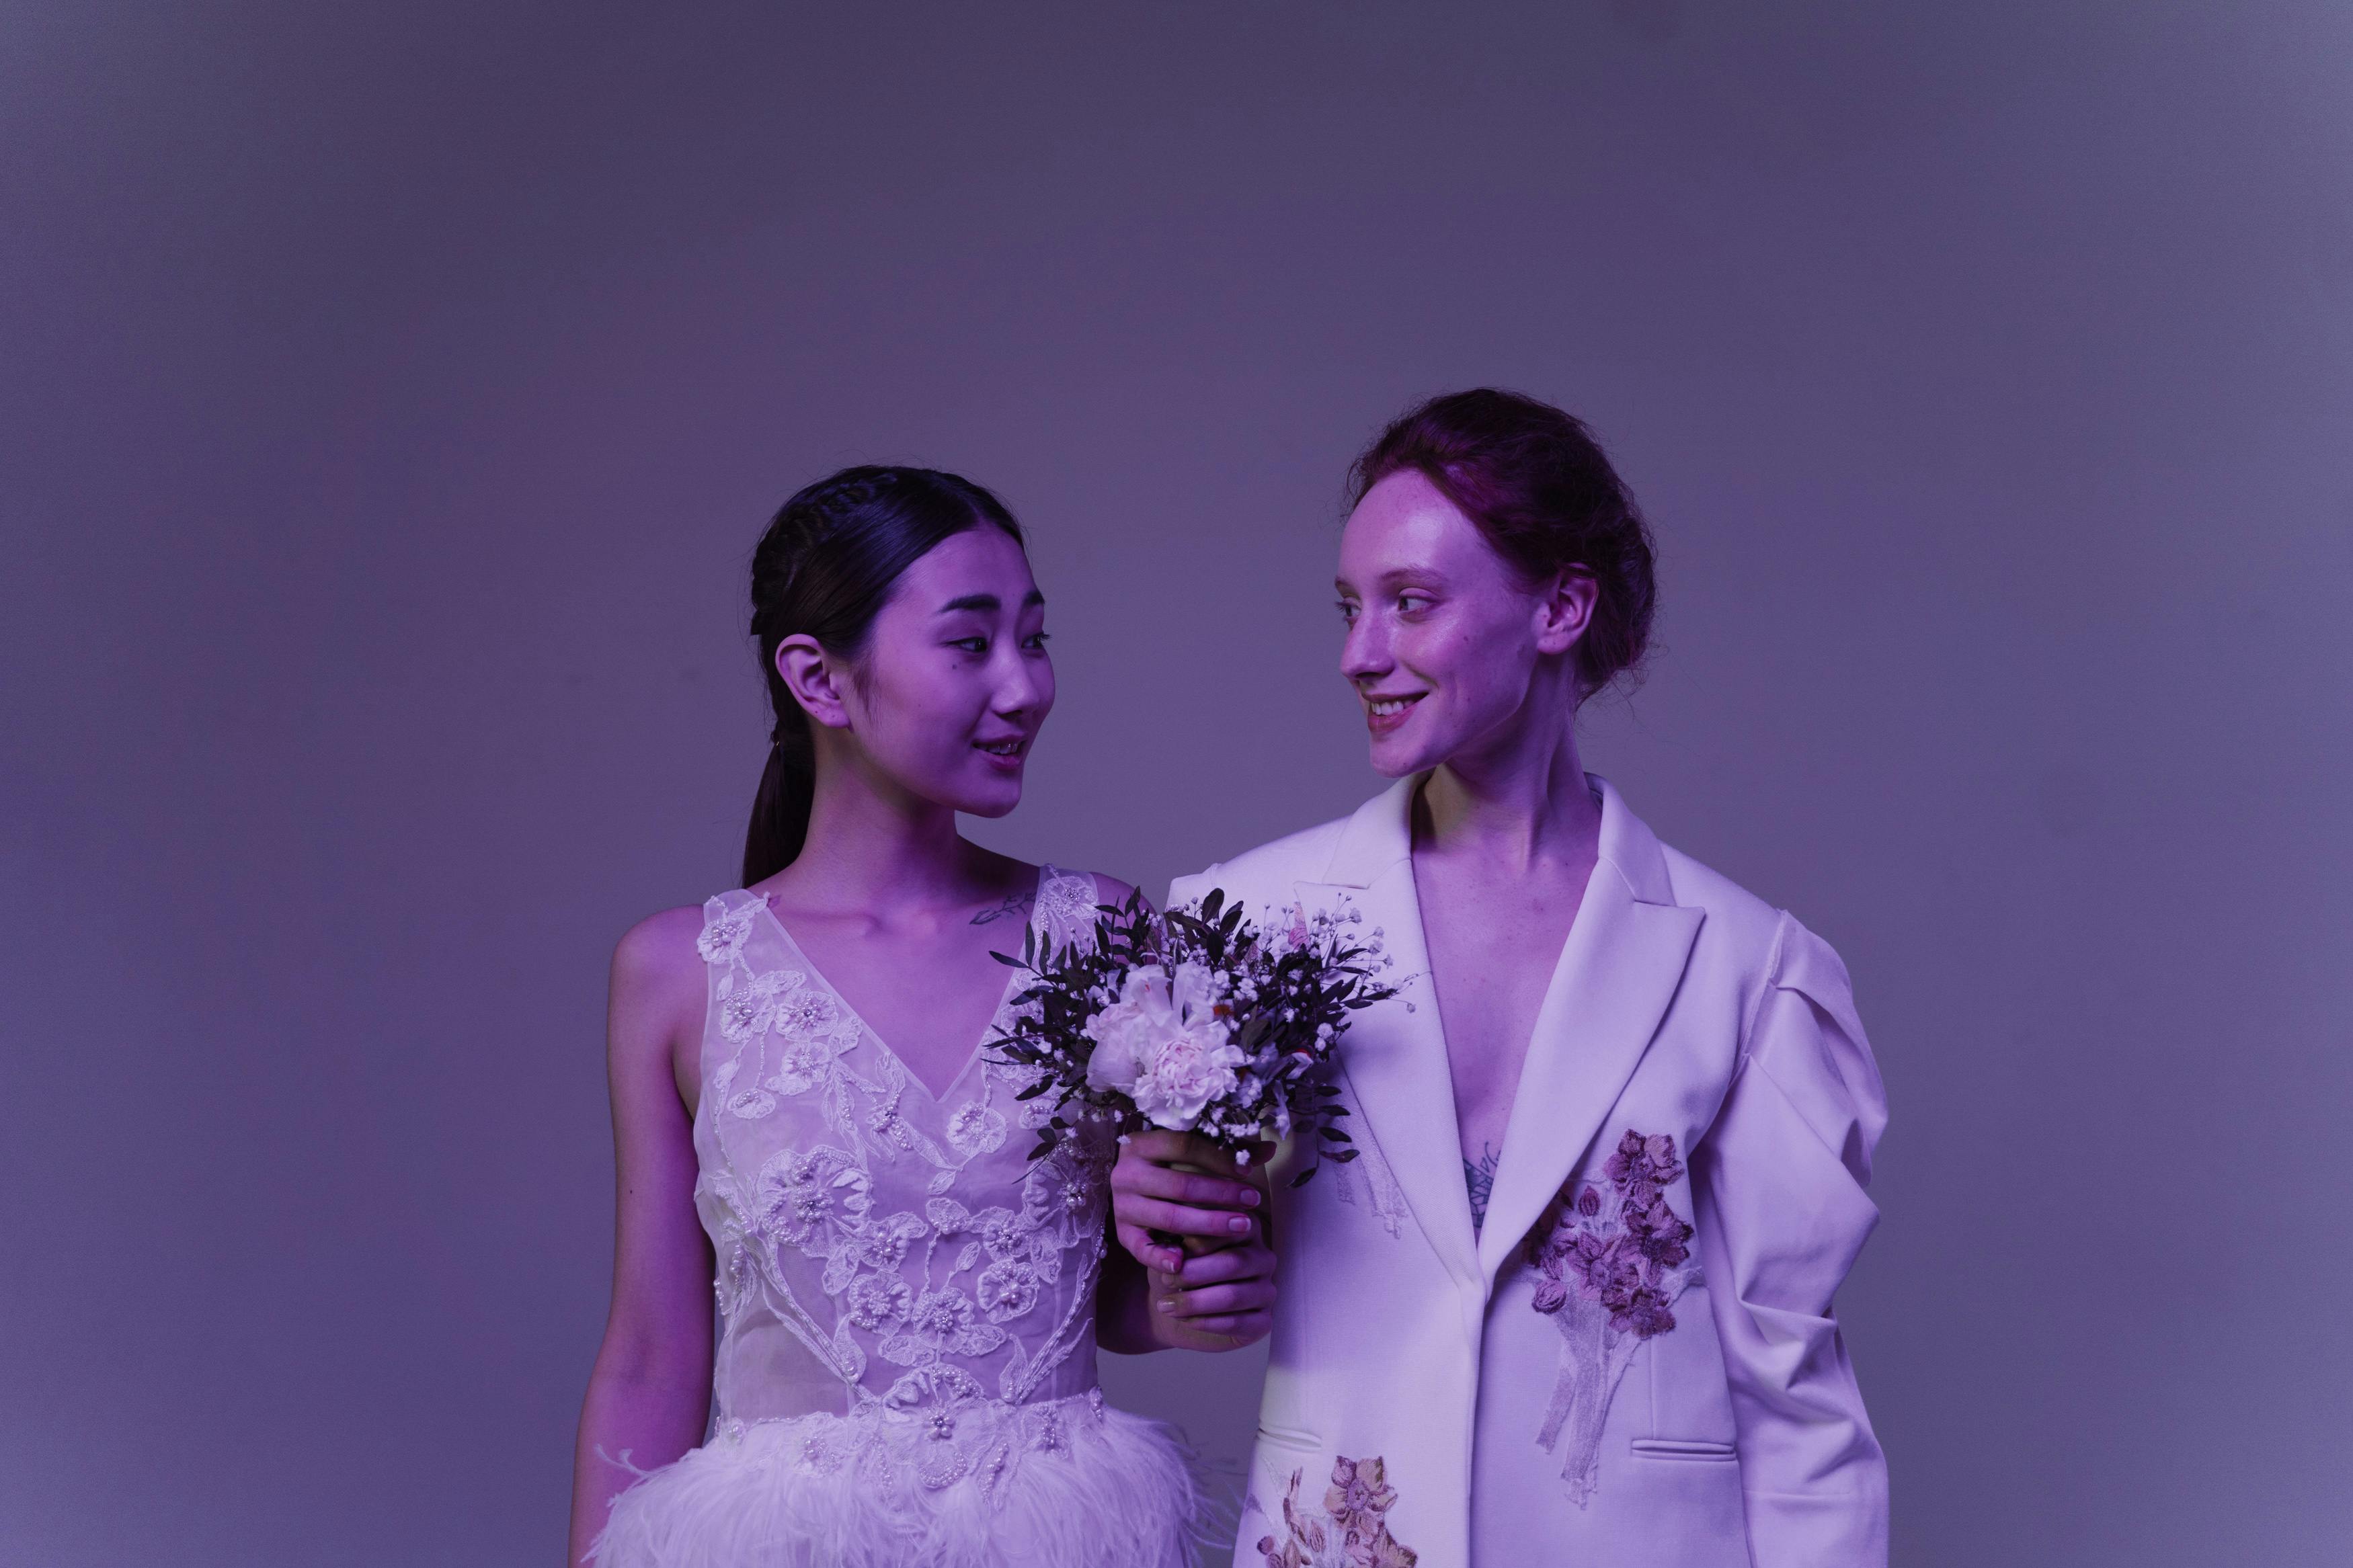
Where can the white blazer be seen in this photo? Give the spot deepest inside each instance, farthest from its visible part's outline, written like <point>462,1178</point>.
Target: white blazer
<point>1584,1380</point>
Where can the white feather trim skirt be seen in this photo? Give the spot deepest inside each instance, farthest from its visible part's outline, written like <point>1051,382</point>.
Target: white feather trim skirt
<point>1065,1483</point>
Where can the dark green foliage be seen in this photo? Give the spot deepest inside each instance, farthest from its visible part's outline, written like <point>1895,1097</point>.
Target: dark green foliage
<point>1288,1000</point>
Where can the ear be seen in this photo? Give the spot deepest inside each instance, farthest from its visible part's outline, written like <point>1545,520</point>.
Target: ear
<point>815,679</point>
<point>1565,609</point>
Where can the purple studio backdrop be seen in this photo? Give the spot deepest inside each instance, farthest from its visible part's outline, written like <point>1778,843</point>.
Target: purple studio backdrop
<point>393,394</point>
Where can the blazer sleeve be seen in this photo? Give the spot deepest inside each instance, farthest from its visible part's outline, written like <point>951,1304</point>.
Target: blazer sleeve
<point>1183,890</point>
<point>1779,1188</point>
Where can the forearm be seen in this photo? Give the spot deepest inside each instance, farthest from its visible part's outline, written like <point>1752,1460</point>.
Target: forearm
<point>634,1418</point>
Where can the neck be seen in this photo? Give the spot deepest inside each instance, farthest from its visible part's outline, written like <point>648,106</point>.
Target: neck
<point>872,845</point>
<point>1519,801</point>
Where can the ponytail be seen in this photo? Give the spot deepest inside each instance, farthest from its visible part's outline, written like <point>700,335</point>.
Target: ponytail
<point>780,812</point>
<point>824,569</point>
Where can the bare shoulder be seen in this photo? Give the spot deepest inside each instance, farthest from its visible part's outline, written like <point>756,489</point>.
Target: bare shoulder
<point>661,948</point>
<point>658,975</point>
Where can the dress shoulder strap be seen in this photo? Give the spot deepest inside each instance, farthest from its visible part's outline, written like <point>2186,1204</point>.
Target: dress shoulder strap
<point>727,925</point>
<point>1067,904</point>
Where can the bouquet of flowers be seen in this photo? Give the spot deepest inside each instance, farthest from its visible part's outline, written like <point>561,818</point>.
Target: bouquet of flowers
<point>1198,1021</point>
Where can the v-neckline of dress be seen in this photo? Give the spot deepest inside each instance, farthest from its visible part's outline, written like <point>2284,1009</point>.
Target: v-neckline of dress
<point>869,1031</point>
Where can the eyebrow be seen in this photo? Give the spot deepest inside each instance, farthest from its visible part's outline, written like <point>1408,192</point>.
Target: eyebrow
<point>1398,577</point>
<point>986,602</point>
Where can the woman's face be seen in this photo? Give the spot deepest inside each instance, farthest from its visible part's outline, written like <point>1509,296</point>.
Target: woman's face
<point>953,683</point>
<point>1443,637</point>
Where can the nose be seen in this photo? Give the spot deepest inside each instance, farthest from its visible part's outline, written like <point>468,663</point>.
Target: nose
<point>1364,653</point>
<point>1025,686</point>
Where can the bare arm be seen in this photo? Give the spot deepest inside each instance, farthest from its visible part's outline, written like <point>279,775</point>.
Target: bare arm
<point>650,1395</point>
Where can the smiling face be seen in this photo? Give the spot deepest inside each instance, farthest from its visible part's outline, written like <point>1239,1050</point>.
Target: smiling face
<point>953,682</point>
<point>1445,642</point>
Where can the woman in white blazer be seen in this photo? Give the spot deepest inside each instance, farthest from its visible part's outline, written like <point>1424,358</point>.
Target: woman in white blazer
<point>1572,1303</point>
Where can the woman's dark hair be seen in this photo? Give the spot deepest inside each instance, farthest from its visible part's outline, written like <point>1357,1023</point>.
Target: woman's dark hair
<point>1542,491</point>
<point>825,569</point>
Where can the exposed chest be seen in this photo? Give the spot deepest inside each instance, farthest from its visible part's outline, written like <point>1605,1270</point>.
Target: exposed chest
<point>931,996</point>
<point>1493,943</point>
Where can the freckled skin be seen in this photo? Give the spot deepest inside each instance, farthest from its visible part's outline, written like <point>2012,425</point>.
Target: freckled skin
<point>1505,833</point>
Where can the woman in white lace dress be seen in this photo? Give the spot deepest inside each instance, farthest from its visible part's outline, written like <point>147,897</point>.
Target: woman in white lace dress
<point>903,1371</point>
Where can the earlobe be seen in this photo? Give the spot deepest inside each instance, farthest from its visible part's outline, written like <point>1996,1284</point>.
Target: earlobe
<point>808,674</point>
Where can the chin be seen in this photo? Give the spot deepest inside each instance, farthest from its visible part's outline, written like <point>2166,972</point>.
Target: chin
<point>1395,756</point>
<point>991,798</point>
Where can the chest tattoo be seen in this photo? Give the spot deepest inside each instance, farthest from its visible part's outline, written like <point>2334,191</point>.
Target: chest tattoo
<point>1479,1175</point>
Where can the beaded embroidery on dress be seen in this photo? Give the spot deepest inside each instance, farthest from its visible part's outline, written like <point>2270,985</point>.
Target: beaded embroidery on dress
<point>905,1371</point>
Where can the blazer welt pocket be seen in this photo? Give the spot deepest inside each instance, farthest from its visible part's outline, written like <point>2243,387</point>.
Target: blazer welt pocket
<point>1684,1450</point>
<point>1291,1438</point>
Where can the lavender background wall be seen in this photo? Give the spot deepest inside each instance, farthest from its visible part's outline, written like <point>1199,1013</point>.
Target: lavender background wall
<point>389,398</point>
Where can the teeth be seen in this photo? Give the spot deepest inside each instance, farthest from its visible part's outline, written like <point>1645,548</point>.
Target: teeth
<point>1386,705</point>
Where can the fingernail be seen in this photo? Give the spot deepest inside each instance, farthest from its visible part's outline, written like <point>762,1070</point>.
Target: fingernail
<point>1168,1303</point>
<point>1249,1198</point>
<point>1239,1225</point>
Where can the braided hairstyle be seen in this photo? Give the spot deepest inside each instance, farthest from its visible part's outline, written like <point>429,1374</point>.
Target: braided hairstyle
<point>824,569</point>
<point>1541,490</point>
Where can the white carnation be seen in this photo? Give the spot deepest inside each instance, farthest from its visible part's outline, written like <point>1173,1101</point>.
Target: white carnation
<point>1165,1046</point>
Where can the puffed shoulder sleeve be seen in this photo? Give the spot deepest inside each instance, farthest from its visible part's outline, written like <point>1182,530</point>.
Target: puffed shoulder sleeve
<point>1779,1183</point>
<point>1184,889</point>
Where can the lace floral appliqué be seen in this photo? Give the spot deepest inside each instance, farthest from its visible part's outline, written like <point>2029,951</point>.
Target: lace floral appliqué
<point>1351,1530</point>
<point>943,1278</point>
<point>1611,1262</point>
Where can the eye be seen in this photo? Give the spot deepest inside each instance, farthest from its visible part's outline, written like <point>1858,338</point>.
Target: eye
<point>971,644</point>
<point>1413,604</point>
<point>1347,608</point>
<point>1036,641</point>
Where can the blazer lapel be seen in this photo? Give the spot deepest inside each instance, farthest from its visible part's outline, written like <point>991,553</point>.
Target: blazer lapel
<point>1394,1053</point>
<point>1618,971</point>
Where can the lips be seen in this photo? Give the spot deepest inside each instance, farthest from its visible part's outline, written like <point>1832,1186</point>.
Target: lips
<point>1384,712</point>
<point>1005,752</point>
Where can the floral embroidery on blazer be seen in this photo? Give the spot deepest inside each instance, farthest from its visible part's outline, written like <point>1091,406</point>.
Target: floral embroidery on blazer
<point>1610,1264</point>
<point>1352,1529</point>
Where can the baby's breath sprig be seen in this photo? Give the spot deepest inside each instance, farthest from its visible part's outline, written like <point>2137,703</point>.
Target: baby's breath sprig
<point>1197,1020</point>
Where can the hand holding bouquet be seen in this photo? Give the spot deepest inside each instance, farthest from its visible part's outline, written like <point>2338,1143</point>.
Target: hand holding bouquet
<point>1196,1021</point>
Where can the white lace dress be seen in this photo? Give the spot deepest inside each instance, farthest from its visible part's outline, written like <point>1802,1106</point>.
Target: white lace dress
<point>905,1368</point>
